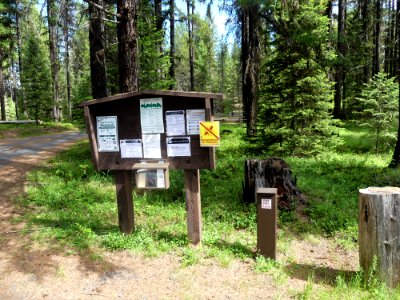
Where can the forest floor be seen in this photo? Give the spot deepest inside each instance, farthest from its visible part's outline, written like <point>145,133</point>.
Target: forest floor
<point>29,270</point>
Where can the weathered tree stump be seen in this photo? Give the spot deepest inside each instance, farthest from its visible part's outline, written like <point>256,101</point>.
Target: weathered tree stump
<point>379,233</point>
<point>271,173</point>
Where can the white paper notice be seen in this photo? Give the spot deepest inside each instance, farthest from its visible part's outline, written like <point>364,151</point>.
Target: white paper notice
<point>151,115</point>
<point>107,134</point>
<point>131,148</point>
<point>160,178</point>
<point>175,122</point>
<point>151,146</point>
<point>178,146</point>
<point>193,118</point>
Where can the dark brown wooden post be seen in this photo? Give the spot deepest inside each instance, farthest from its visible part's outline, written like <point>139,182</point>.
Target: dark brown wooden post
<point>267,216</point>
<point>378,233</point>
<point>193,206</point>
<point>123,183</point>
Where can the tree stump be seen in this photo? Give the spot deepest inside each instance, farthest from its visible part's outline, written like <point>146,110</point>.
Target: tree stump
<point>271,173</point>
<point>379,233</point>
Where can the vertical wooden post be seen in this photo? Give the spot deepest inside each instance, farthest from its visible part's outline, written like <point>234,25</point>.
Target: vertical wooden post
<point>193,205</point>
<point>378,233</point>
<point>267,216</point>
<point>123,183</point>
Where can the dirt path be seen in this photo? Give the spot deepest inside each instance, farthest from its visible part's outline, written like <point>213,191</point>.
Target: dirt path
<point>30,271</point>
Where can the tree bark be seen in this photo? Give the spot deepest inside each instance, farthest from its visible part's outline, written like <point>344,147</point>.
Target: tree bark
<point>52,24</point>
<point>67,65</point>
<point>128,46</point>
<point>395,162</point>
<point>271,173</point>
<point>172,43</point>
<point>190,4</point>
<point>377,39</point>
<point>365,17</point>
<point>22,102</point>
<point>329,15</point>
<point>378,233</point>
<point>339,82</point>
<point>250,60</point>
<point>14,86</point>
<point>159,20</point>
<point>2,91</point>
<point>97,54</point>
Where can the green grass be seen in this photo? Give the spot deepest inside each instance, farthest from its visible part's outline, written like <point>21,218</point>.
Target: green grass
<point>25,130</point>
<point>76,206</point>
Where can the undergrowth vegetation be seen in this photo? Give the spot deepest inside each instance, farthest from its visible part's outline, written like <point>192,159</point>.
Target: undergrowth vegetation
<point>74,205</point>
<point>24,130</point>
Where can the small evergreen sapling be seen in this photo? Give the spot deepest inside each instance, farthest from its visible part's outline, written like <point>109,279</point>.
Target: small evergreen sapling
<point>379,107</point>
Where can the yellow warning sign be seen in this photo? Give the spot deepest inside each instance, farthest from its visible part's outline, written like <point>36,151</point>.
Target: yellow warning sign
<point>209,134</point>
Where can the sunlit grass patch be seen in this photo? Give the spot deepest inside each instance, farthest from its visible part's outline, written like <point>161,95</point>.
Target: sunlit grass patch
<point>75,207</point>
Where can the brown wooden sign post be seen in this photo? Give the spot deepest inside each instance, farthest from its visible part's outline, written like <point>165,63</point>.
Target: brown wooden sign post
<point>149,133</point>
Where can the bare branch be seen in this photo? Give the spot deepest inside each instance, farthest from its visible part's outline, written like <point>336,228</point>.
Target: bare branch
<point>105,20</point>
<point>102,8</point>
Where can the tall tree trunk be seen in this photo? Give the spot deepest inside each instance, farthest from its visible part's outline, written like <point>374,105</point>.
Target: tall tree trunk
<point>14,85</point>
<point>365,17</point>
<point>2,91</point>
<point>396,46</point>
<point>97,53</point>
<point>52,23</point>
<point>172,43</point>
<point>395,162</point>
<point>388,38</point>
<point>66,59</point>
<point>19,47</point>
<point>250,60</point>
<point>128,46</point>
<point>393,48</point>
<point>329,15</point>
<point>377,39</point>
<point>338,99</point>
<point>159,20</point>
<point>190,4</point>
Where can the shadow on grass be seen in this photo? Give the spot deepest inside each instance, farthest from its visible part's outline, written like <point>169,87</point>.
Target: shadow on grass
<point>176,239</point>
<point>320,274</point>
<point>236,248</point>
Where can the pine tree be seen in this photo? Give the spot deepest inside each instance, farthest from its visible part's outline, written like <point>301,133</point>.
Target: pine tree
<point>298,95</point>
<point>154,63</point>
<point>35,79</point>
<point>378,106</point>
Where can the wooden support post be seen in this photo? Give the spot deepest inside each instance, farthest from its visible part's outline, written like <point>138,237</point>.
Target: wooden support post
<point>267,216</point>
<point>379,233</point>
<point>193,205</point>
<point>123,183</point>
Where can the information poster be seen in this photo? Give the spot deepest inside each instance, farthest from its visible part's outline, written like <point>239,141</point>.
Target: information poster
<point>131,148</point>
<point>193,118</point>
<point>178,146</point>
<point>107,134</point>
<point>151,146</point>
<point>209,134</point>
<point>175,122</point>
<point>151,115</point>
<point>160,178</point>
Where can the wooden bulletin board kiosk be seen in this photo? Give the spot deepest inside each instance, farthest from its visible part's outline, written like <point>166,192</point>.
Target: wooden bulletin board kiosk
<point>149,133</point>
